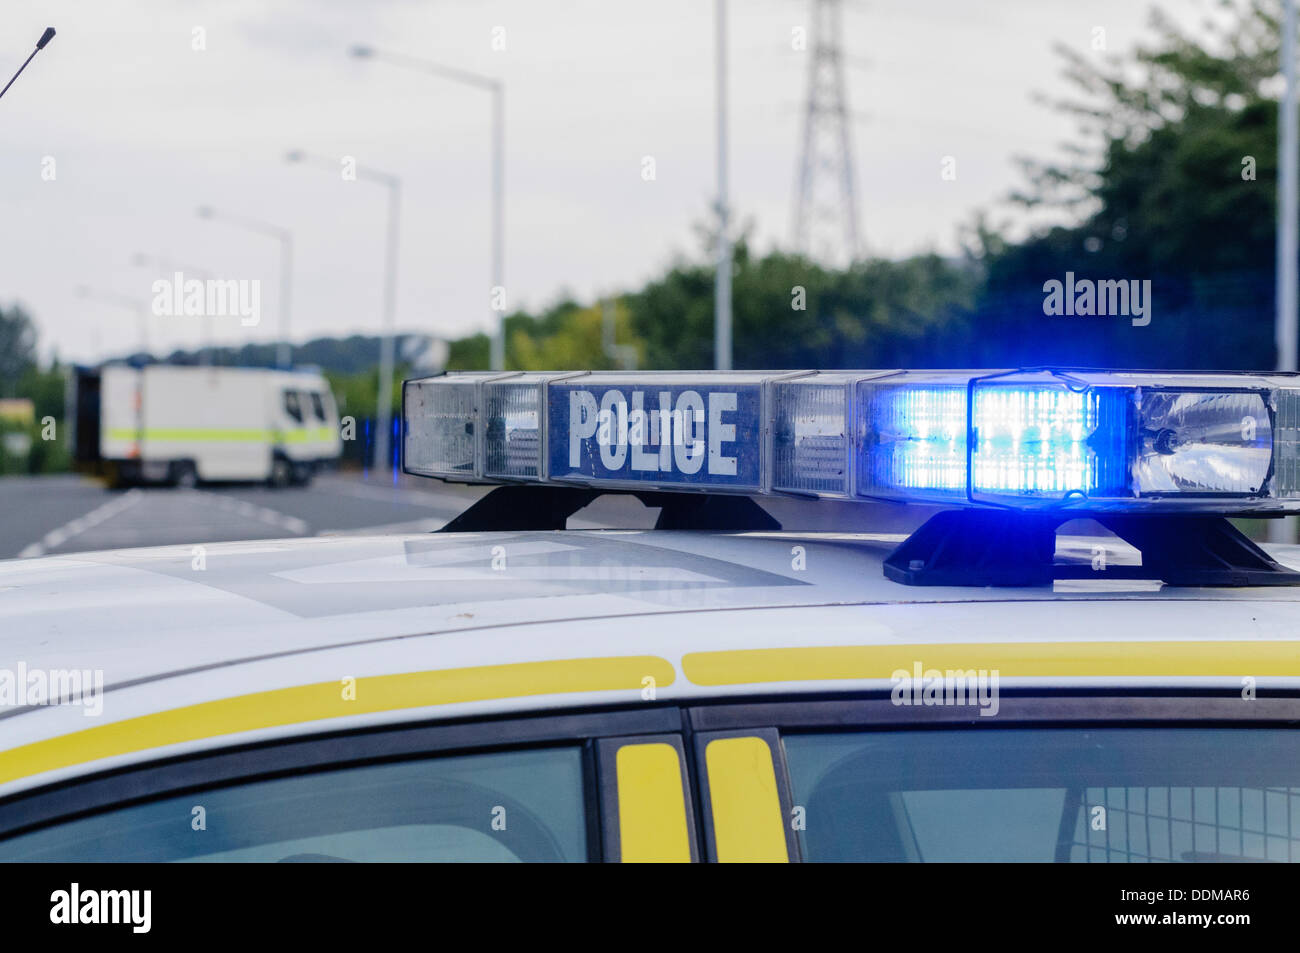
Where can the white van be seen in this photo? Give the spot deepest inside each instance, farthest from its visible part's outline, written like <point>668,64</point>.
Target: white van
<point>182,425</point>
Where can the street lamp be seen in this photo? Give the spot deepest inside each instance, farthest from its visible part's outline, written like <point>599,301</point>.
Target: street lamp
<point>1288,156</point>
<point>283,236</point>
<point>498,91</point>
<point>139,306</point>
<point>142,260</point>
<point>387,337</point>
<point>722,274</point>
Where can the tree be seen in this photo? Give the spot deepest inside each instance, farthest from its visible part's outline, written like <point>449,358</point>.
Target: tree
<point>47,389</point>
<point>471,353</point>
<point>565,335</point>
<point>1173,182</point>
<point>575,340</point>
<point>17,348</point>
<point>791,312</point>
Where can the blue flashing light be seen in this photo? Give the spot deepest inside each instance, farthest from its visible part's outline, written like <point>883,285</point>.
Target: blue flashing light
<point>1047,440</point>
<point>914,438</point>
<point>1031,440</point>
<point>1044,441</point>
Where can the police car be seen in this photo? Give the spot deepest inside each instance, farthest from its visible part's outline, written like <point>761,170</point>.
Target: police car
<point>1075,656</point>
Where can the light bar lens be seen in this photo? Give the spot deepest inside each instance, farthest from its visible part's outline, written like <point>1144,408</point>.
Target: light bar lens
<point>811,438</point>
<point>1203,442</point>
<point>438,430</point>
<point>513,443</point>
<point>1286,445</point>
<point>913,437</point>
<point>1049,441</point>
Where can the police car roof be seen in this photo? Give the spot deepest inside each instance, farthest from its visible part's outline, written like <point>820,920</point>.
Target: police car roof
<point>703,614</point>
<point>146,613</point>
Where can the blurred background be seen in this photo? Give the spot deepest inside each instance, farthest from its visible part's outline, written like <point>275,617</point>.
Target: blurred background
<point>604,185</point>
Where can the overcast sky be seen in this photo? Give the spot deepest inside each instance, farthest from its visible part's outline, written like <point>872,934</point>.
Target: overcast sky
<point>143,128</point>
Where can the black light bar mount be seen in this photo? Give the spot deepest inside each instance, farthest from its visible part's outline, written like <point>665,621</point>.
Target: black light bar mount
<point>1015,548</point>
<point>968,547</point>
<point>537,508</point>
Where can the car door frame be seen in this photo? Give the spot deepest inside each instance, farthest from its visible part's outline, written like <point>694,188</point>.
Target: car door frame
<point>66,800</point>
<point>771,720</point>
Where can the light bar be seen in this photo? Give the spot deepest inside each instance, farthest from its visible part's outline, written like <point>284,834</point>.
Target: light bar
<point>1086,440</point>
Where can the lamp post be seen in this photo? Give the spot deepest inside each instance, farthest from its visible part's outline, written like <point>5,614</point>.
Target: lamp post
<point>285,238</point>
<point>387,337</point>
<point>1283,530</point>
<point>497,89</point>
<point>722,274</point>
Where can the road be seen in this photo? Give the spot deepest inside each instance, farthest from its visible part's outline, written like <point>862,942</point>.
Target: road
<point>69,514</point>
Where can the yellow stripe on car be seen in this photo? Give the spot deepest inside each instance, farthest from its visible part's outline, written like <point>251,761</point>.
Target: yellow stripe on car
<point>1010,659</point>
<point>304,703</point>
<point>747,823</point>
<point>308,703</point>
<point>651,805</point>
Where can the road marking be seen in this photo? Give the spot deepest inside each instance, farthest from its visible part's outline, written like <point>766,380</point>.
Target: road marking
<point>432,498</point>
<point>253,511</point>
<point>57,537</point>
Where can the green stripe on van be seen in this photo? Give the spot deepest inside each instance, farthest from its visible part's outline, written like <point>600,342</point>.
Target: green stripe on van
<point>213,435</point>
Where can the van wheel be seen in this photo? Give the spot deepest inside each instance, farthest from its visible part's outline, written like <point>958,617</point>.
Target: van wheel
<point>184,475</point>
<point>281,472</point>
<point>121,476</point>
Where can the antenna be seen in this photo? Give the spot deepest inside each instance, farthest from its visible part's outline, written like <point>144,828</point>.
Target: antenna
<point>40,45</point>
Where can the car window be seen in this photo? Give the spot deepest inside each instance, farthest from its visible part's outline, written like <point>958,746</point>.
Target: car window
<point>500,806</point>
<point>292,405</point>
<point>317,405</point>
<point>1077,795</point>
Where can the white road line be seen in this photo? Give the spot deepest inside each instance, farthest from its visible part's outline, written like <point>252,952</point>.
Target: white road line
<point>57,537</point>
<point>263,513</point>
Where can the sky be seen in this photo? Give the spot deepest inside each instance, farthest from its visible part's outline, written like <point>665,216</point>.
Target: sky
<point>140,111</point>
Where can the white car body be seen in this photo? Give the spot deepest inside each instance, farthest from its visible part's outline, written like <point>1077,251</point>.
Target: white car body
<point>254,641</point>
